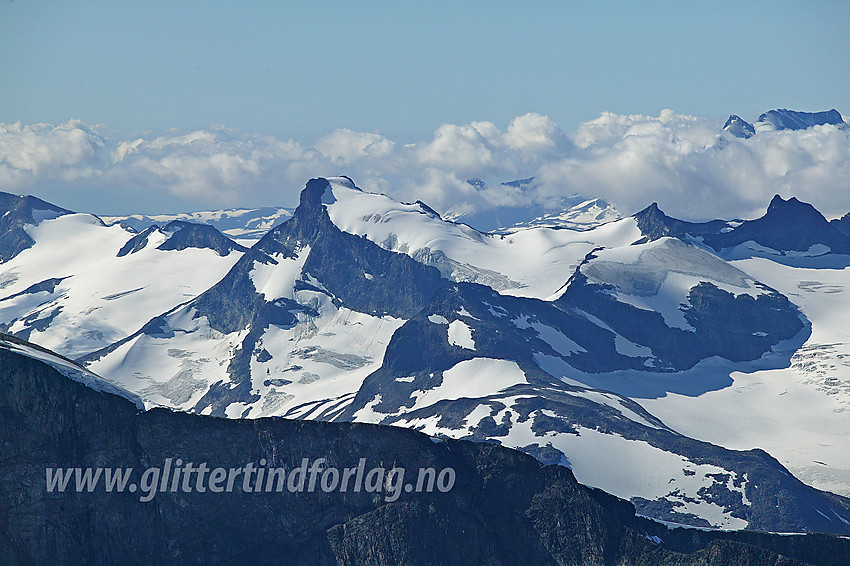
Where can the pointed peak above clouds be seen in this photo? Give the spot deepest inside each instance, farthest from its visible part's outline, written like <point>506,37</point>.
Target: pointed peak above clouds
<point>739,127</point>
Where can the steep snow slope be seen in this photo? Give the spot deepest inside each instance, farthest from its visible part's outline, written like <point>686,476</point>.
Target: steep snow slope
<point>72,293</point>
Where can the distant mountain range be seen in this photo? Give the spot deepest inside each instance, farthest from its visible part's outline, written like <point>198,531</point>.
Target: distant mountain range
<point>237,223</point>
<point>700,370</point>
<point>576,346</point>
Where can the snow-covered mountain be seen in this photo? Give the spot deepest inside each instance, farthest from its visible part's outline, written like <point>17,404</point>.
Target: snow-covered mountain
<point>73,284</point>
<point>237,223</point>
<point>582,216</point>
<point>739,127</point>
<point>781,119</point>
<point>579,347</point>
<point>362,308</point>
<point>575,212</point>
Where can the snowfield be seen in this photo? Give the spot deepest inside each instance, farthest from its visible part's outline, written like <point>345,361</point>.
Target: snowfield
<point>98,298</point>
<point>799,414</point>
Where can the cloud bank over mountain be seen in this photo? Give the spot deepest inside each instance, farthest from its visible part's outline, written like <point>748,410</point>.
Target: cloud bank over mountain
<point>681,161</point>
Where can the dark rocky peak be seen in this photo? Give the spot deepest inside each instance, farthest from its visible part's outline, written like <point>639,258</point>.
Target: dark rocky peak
<point>339,259</point>
<point>309,219</point>
<point>184,235</point>
<point>784,119</point>
<point>15,212</point>
<point>739,127</point>
<point>788,225</point>
<point>316,193</point>
<point>137,242</point>
<point>654,224</point>
<point>651,212</point>
<point>781,210</point>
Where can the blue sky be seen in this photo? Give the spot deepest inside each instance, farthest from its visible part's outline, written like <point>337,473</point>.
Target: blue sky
<point>117,107</point>
<point>302,69</point>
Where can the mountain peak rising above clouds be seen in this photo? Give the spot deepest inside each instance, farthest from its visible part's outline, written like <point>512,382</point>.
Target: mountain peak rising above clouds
<point>784,119</point>
<point>739,127</point>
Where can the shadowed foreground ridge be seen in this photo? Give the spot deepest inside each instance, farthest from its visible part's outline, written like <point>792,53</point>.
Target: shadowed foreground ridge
<point>505,508</point>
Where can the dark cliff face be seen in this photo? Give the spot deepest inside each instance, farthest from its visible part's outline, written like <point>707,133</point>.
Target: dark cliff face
<point>654,224</point>
<point>505,507</point>
<point>843,224</point>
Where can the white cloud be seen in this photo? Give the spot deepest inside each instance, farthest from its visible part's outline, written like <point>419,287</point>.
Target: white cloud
<point>465,149</point>
<point>28,154</point>
<point>345,146</point>
<point>535,134</point>
<point>630,160</point>
<point>678,162</point>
